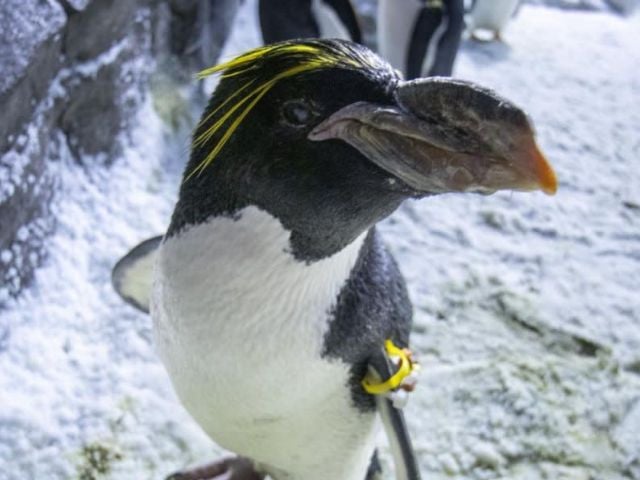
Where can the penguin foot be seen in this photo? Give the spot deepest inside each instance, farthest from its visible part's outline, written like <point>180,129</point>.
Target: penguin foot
<point>237,468</point>
<point>478,38</point>
<point>483,36</point>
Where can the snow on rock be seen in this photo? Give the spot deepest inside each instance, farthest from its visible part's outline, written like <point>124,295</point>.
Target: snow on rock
<point>28,25</point>
<point>75,75</point>
<point>25,191</point>
<point>30,44</point>
<point>526,306</point>
<point>60,98</point>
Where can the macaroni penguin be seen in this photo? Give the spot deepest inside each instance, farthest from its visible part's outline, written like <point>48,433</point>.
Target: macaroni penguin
<point>271,291</point>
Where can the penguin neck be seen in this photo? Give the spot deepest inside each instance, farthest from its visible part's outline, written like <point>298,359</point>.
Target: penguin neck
<point>314,234</point>
<point>198,203</point>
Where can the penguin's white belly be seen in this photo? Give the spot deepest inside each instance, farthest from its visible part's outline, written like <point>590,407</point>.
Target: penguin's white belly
<point>396,21</point>
<point>491,14</point>
<point>239,325</point>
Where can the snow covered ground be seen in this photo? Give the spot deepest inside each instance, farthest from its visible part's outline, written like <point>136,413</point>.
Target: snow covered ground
<point>527,306</point>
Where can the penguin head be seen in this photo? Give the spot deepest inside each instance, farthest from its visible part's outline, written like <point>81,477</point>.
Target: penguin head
<point>326,137</point>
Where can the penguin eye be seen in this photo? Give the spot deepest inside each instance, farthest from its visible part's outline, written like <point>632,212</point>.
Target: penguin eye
<point>297,113</point>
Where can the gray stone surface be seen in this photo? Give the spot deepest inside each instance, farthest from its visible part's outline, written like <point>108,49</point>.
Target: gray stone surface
<point>73,74</point>
<point>198,30</point>
<point>99,107</point>
<point>30,32</point>
<point>98,27</point>
<point>30,46</point>
<point>26,26</point>
<point>26,188</point>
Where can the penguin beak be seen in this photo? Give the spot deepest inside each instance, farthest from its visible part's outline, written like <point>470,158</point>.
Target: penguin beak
<point>445,135</point>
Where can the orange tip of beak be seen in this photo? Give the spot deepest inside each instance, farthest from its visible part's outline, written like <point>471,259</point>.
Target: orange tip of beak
<point>546,177</point>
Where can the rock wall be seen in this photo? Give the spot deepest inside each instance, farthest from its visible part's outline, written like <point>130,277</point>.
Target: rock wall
<point>71,77</point>
<point>73,74</point>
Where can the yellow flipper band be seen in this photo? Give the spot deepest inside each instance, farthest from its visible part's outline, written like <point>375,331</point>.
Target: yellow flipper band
<point>404,370</point>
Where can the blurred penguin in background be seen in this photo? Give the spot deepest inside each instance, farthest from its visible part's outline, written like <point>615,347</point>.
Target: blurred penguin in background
<point>199,30</point>
<point>491,16</point>
<point>420,38</point>
<point>289,19</point>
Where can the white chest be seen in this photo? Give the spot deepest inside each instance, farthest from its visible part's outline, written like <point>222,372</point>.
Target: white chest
<point>239,324</point>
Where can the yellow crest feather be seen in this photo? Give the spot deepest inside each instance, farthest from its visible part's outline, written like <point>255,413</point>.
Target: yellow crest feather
<point>294,58</point>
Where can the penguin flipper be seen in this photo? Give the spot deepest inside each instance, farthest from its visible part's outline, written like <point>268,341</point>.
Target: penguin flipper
<point>132,275</point>
<point>394,423</point>
<point>397,433</point>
